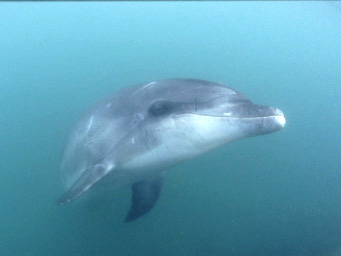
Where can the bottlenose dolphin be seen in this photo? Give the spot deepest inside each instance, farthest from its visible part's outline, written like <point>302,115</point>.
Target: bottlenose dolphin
<point>134,135</point>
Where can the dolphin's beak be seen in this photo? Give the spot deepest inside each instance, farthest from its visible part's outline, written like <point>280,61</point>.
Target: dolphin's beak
<point>257,120</point>
<point>280,119</point>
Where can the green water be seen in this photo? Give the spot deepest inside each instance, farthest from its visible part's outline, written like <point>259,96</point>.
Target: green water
<point>277,195</point>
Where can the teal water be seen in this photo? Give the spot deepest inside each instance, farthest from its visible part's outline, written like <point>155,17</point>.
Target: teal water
<point>277,195</point>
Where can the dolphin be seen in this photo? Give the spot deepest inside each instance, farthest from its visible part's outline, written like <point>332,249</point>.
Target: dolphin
<point>131,137</point>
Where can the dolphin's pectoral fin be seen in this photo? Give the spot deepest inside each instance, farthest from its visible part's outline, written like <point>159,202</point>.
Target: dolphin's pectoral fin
<point>145,195</point>
<point>85,181</point>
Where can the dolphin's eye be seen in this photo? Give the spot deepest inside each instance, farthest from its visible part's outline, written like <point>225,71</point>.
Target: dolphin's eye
<point>160,108</point>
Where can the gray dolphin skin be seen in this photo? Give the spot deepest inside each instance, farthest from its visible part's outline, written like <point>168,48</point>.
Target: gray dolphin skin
<point>131,137</point>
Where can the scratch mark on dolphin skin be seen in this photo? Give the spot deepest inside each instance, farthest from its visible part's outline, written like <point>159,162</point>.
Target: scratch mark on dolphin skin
<point>144,87</point>
<point>90,123</point>
<point>147,85</point>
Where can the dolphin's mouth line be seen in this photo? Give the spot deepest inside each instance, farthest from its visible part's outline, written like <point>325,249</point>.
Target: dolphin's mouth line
<point>254,117</point>
<point>278,119</point>
<point>230,117</point>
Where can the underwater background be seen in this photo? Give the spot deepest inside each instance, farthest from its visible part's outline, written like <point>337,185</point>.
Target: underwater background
<point>277,195</point>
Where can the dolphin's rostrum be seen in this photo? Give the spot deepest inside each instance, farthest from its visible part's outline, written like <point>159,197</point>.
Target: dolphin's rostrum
<point>134,135</point>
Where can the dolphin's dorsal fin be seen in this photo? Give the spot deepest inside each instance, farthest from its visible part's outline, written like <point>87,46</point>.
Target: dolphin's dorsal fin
<point>145,194</point>
<point>84,182</point>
